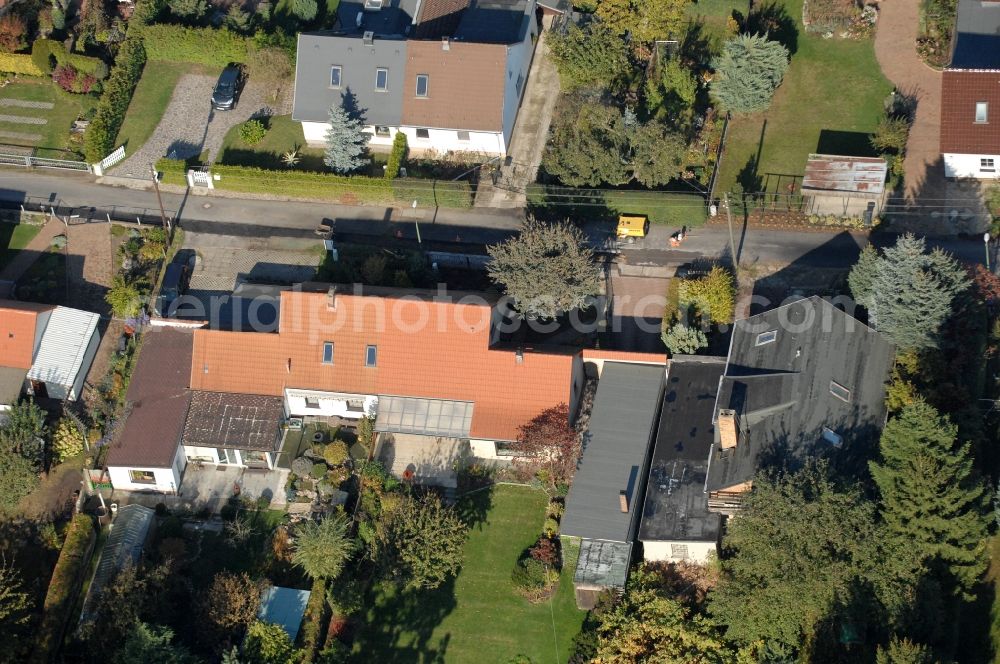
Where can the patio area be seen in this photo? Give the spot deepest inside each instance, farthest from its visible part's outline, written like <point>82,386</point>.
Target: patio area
<point>427,459</point>
<point>210,487</point>
<point>296,442</point>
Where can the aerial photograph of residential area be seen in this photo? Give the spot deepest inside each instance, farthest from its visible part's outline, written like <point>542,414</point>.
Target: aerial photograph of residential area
<point>499,331</point>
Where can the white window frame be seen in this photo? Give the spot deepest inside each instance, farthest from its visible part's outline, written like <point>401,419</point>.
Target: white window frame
<point>982,112</point>
<point>838,391</point>
<point>378,71</point>
<point>133,473</point>
<point>328,345</point>
<point>427,86</point>
<point>765,338</point>
<point>312,402</point>
<point>371,355</point>
<point>426,131</point>
<point>340,74</point>
<point>987,165</point>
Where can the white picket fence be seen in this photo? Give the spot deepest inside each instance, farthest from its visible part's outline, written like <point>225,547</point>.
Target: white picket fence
<point>109,161</point>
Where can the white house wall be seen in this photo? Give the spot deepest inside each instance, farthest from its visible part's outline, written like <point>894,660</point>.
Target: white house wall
<point>166,479</point>
<point>664,551</point>
<point>968,166</point>
<point>441,140</point>
<point>331,404</point>
<point>88,359</point>
<point>518,65</point>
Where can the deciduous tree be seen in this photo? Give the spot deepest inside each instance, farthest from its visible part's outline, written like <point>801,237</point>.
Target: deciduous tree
<point>548,441</point>
<point>345,141</point>
<point>712,296</point>
<point>904,651</point>
<point>589,145</point>
<point>18,478</point>
<point>548,269</point>
<point>269,644</point>
<point>188,9</point>
<point>421,541</point>
<point>23,433</point>
<point>645,20</point>
<point>231,602</point>
<point>748,72</point>
<point>670,95</point>
<point>149,644</point>
<point>322,548</point>
<point>124,297</point>
<point>14,602</point>
<point>931,499</point>
<point>658,154</point>
<point>590,56</point>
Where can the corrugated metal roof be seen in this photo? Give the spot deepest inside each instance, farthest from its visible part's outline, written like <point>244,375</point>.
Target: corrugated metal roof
<point>857,175</point>
<point>614,453</point>
<point>64,344</point>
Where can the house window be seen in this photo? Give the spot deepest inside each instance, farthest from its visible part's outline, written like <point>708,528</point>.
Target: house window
<point>327,352</point>
<point>505,449</point>
<point>982,111</point>
<point>766,337</point>
<point>463,135</point>
<point>422,81</point>
<point>381,79</point>
<point>987,164</point>
<point>335,77</point>
<point>355,406</point>
<point>142,476</point>
<point>371,355</point>
<point>382,131</point>
<point>228,457</point>
<point>423,133</point>
<point>312,402</point>
<point>839,391</point>
<point>679,551</point>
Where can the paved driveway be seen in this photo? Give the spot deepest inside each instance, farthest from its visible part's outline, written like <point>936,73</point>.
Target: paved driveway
<point>190,126</point>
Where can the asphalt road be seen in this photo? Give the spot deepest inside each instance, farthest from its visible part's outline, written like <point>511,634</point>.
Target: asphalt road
<point>469,230</point>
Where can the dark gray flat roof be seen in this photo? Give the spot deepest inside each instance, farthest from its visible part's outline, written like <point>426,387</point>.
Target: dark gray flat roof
<point>781,389</point>
<point>319,52</point>
<point>676,506</point>
<point>615,447</point>
<point>977,35</point>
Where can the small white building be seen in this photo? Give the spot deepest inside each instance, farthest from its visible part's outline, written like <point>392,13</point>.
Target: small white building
<point>46,350</point>
<point>449,74</point>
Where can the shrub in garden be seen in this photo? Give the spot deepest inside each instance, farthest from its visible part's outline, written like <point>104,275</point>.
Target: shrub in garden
<point>71,80</point>
<point>748,72</point>
<point>67,441</point>
<point>532,578</point>
<point>252,132</point>
<point>681,339</point>
<point>304,9</point>
<point>48,53</point>
<point>13,31</point>
<point>64,584</point>
<point>545,551</point>
<point>189,9</point>
<point>397,156</point>
<point>318,471</point>
<point>17,63</point>
<point>336,453</point>
<point>206,46</point>
<point>100,137</point>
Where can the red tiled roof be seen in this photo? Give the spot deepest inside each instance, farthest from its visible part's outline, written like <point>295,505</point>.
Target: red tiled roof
<point>465,87</point>
<point>18,321</point>
<point>431,349</point>
<point>158,401</point>
<point>960,90</point>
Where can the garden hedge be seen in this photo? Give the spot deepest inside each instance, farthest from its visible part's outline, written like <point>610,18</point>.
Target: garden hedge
<point>346,189</point>
<point>67,578</point>
<point>397,156</point>
<point>16,63</point>
<point>44,51</point>
<point>204,46</point>
<point>103,130</point>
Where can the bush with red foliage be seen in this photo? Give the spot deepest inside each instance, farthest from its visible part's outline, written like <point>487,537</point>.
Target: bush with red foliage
<point>549,443</point>
<point>545,551</point>
<point>69,79</point>
<point>12,33</point>
<point>987,284</point>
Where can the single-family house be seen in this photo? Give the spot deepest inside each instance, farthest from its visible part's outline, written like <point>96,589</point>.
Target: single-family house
<point>450,74</point>
<point>432,370</point>
<point>801,380</point>
<point>676,523</point>
<point>970,94</point>
<point>604,502</point>
<point>45,350</point>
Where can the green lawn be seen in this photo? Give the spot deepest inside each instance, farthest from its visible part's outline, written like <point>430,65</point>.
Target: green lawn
<point>283,135</point>
<point>150,101</point>
<point>833,86</point>
<point>668,208</point>
<point>13,238</point>
<point>713,15</point>
<point>477,618</point>
<point>55,137</point>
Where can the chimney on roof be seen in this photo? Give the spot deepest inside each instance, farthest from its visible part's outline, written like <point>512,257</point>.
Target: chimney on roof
<point>331,297</point>
<point>445,43</point>
<point>368,37</point>
<point>623,500</point>
<point>519,356</point>
<point>728,428</point>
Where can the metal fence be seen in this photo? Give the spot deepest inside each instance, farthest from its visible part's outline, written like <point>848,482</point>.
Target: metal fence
<point>28,161</point>
<point>90,214</point>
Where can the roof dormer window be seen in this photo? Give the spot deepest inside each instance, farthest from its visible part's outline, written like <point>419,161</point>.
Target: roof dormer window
<point>381,79</point>
<point>766,337</point>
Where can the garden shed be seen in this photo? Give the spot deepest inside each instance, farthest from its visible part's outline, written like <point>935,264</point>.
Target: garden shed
<point>844,186</point>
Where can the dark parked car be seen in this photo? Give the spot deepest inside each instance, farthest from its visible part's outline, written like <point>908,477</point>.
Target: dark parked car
<point>175,283</point>
<point>227,90</point>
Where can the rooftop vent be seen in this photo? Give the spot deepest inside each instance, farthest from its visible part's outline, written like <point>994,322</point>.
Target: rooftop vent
<point>368,37</point>
<point>728,429</point>
<point>445,44</point>
<point>331,297</point>
<point>623,500</point>
<point>519,356</point>
<point>359,19</point>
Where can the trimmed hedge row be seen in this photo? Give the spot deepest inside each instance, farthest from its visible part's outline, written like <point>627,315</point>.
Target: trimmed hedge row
<point>17,63</point>
<point>205,46</point>
<point>100,137</point>
<point>67,577</point>
<point>345,189</point>
<point>44,51</point>
<point>397,156</point>
<point>313,621</point>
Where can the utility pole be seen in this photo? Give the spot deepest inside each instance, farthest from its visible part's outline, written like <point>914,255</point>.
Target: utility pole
<point>732,238</point>
<point>159,199</point>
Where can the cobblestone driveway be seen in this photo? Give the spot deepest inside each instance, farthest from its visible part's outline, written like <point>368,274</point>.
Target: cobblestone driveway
<point>190,126</point>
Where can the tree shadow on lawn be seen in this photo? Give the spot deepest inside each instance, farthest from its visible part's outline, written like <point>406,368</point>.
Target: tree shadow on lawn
<point>774,21</point>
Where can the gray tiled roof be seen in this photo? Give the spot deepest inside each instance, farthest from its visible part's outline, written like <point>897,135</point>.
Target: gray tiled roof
<point>234,421</point>
<point>615,447</point>
<point>781,389</point>
<point>318,52</point>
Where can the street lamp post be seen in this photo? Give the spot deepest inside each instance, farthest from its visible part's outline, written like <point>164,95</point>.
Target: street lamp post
<point>416,222</point>
<point>986,244</point>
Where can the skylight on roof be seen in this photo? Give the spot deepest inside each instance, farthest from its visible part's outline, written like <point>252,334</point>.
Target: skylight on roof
<point>766,337</point>
<point>832,437</point>
<point>839,391</point>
